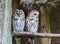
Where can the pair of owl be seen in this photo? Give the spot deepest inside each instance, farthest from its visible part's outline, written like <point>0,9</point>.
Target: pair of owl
<point>31,22</point>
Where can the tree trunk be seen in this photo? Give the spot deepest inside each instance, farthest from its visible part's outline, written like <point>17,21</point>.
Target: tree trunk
<point>1,19</point>
<point>7,37</point>
<point>45,23</point>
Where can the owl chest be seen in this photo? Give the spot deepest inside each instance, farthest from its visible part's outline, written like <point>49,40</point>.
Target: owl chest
<point>17,20</point>
<point>33,20</point>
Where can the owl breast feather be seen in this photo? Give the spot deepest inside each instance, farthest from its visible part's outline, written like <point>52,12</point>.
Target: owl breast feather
<point>32,25</point>
<point>19,25</point>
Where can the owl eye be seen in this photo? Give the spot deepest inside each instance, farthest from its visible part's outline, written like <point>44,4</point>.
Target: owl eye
<point>34,13</point>
<point>16,13</point>
<point>20,13</point>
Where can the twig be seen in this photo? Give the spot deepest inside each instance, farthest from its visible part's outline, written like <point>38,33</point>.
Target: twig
<point>45,35</point>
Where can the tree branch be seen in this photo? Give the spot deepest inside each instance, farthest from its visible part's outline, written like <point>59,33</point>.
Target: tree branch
<point>45,35</point>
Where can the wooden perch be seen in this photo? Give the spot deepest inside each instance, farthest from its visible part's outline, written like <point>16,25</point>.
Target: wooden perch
<point>45,35</point>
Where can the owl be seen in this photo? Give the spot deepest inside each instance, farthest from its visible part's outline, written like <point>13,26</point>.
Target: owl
<point>18,21</point>
<point>32,21</point>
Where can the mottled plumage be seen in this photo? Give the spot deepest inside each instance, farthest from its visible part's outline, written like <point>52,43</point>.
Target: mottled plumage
<point>18,21</point>
<point>32,21</point>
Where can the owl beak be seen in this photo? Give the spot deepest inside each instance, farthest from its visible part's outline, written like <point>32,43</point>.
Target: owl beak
<point>19,15</point>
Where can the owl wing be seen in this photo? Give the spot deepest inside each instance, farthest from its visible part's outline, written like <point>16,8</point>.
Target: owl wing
<point>15,24</point>
<point>27,23</point>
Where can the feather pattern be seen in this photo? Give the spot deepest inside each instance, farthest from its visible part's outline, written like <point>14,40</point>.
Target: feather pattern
<point>18,21</point>
<point>32,21</point>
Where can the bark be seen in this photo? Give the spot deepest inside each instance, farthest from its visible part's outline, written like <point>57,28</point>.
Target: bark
<point>7,37</point>
<point>1,19</point>
<point>45,23</point>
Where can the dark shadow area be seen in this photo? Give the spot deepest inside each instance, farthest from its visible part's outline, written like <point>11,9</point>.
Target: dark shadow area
<point>55,23</point>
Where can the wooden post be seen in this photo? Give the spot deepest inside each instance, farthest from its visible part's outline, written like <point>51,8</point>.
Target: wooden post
<point>45,23</point>
<point>15,4</point>
<point>2,4</point>
<point>7,37</point>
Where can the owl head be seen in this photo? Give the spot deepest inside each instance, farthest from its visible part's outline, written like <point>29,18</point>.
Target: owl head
<point>16,13</point>
<point>34,13</point>
<point>21,13</point>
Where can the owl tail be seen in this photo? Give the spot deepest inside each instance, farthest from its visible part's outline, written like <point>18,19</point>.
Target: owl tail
<point>31,40</point>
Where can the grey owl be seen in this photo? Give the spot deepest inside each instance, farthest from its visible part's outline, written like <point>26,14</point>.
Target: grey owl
<point>18,21</point>
<point>32,21</point>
